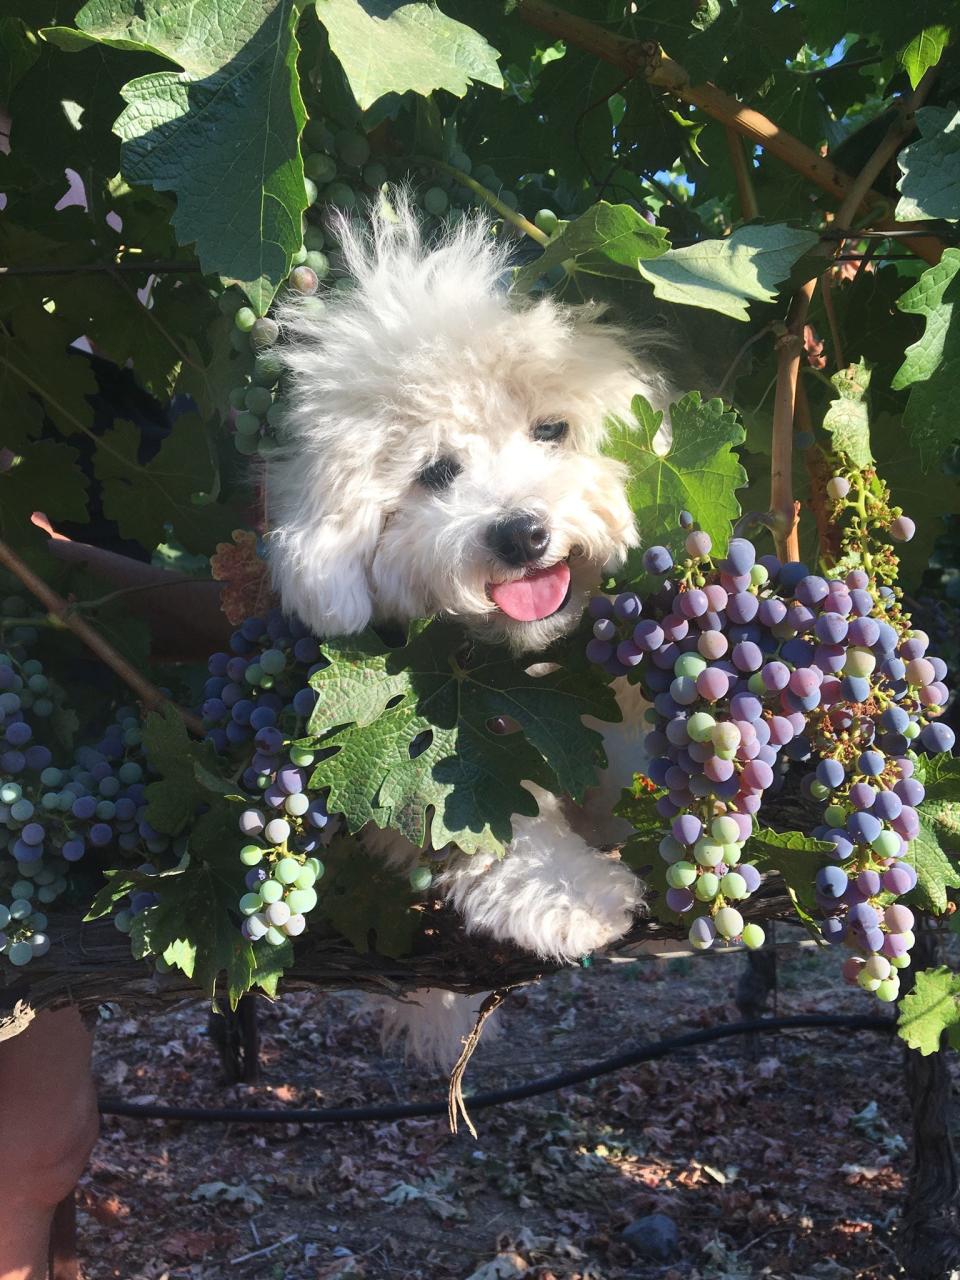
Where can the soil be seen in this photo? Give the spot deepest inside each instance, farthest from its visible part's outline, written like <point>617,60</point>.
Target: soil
<point>786,1158</point>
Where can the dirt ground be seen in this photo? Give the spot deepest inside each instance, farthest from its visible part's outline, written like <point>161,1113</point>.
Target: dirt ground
<point>790,1162</point>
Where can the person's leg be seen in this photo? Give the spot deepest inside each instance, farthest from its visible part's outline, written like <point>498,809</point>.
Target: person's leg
<point>48,1125</point>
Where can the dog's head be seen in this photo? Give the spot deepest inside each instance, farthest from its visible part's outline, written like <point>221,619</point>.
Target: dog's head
<point>442,448</point>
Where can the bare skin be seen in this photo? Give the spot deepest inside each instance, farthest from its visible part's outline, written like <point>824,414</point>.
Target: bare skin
<point>48,1125</point>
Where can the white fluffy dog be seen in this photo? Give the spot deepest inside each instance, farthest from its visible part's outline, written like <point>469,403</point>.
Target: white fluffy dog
<point>443,457</point>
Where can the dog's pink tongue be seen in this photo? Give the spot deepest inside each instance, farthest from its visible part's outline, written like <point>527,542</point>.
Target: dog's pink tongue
<point>536,596</point>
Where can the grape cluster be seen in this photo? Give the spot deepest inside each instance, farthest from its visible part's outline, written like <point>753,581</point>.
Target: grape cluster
<point>752,666</point>
<point>257,697</point>
<point>54,814</point>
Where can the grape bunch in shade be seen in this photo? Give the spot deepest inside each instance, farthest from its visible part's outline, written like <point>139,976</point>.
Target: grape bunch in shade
<point>257,699</point>
<point>58,808</point>
<point>754,667</point>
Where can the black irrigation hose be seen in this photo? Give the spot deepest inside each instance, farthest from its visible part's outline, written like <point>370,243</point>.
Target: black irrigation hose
<point>493,1098</point>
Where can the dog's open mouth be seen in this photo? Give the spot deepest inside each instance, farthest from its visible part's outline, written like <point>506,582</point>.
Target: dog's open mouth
<point>537,595</point>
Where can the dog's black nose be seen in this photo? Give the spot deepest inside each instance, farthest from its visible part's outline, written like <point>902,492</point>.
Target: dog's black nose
<point>518,539</point>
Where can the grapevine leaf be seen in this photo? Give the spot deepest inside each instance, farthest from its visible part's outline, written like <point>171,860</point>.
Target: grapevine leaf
<point>410,732</point>
<point>924,51</point>
<point>699,472</point>
<point>847,418</point>
<point>607,240</point>
<point>366,901</point>
<point>928,497</point>
<point>932,365</point>
<point>222,134</point>
<point>48,474</point>
<point>726,275</point>
<point>930,1009</point>
<point>393,47</point>
<point>796,857</point>
<point>185,768</point>
<point>930,853</point>
<point>18,53</point>
<point>930,182</point>
<point>940,775</point>
<point>39,374</point>
<point>146,498</point>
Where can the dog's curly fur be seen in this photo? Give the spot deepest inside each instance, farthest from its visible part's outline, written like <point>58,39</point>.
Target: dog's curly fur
<point>426,359</point>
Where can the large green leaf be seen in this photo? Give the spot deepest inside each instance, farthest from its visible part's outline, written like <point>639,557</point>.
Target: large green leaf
<point>699,472</point>
<point>387,46</point>
<point>607,240</point>
<point>936,872</point>
<point>415,736</point>
<point>930,185</point>
<point>169,490</point>
<point>222,134</point>
<point>931,368</point>
<point>848,418</point>
<point>930,1009</point>
<point>727,275</point>
<point>365,900</point>
<point>45,478</point>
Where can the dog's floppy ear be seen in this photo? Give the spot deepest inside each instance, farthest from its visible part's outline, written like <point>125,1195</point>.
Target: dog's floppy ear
<point>320,563</point>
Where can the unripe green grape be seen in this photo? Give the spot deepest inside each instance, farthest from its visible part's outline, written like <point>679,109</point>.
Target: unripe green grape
<point>20,953</point>
<point>253,674</point>
<point>435,201</point>
<point>264,332</point>
<point>752,937</point>
<point>238,398</point>
<point>317,866</point>
<point>835,815</point>
<point>728,922</point>
<point>867,980</point>
<point>275,414</point>
<point>889,989</point>
<point>374,174</point>
<point>755,684</point>
<point>758,575</point>
<point>911,731</point>
<point>301,756</point>
<point>733,885</point>
<point>123,920</point>
<point>320,168</point>
<point>707,887</point>
<point>877,967</point>
<point>700,726</point>
<point>251,855</point>
<point>245,319</point>
<point>886,844</point>
<point>247,446</point>
<point>708,852</point>
<point>420,879</point>
<point>732,854</point>
<point>341,196</point>
<point>680,875</point>
<point>306,878</point>
<point>819,790</point>
<point>313,238</point>
<point>353,149</point>
<point>460,160</point>
<point>297,804</point>
<point>318,135</point>
<point>249,903</point>
<point>900,962</point>
<point>485,175</point>
<point>547,221</point>
<point>267,368</point>
<point>271,891</point>
<point>859,662</point>
<point>240,341</point>
<point>299,256</point>
<point>247,423</point>
<point>311,190</point>
<point>258,400</point>
<point>302,901</point>
<point>725,829</point>
<point>276,937</point>
<point>689,665</point>
<point>319,263</point>
<point>287,870</point>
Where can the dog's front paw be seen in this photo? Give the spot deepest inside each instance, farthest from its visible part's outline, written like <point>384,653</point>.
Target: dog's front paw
<point>572,931</point>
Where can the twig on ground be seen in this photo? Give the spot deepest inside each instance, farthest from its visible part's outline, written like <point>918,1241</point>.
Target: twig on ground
<point>259,1253</point>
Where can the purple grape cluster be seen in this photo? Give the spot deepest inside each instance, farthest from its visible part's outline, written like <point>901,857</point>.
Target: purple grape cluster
<point>53,815</point>
<point>258,697</point>
<point>753,666</point>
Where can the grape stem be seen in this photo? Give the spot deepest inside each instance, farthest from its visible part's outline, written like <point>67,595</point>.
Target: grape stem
<point>646,58</point>
<point>783,505</point>
<point>510,215</point>
<point>58,608</point>
<point>747,196</point>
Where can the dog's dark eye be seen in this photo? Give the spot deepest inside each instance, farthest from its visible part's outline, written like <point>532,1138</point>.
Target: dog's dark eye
<point>550,431</point>
<point>440,474</point>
